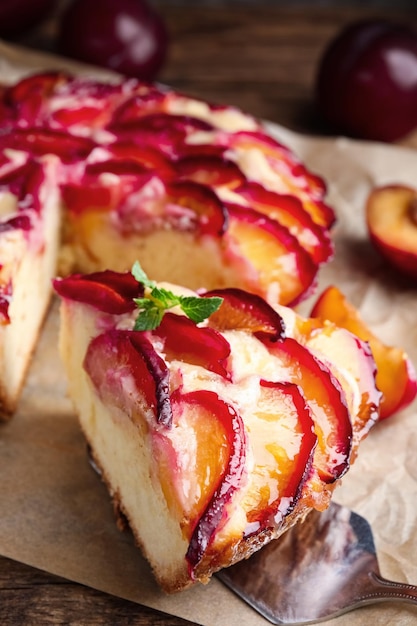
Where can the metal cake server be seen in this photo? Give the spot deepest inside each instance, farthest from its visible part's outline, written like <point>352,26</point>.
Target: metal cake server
<point>320,569</point>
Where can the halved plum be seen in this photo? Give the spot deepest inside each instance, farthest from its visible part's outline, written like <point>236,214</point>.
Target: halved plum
<point>108,291</point>
<point>128,373</point>
<point>391,220</point>
<point>327,403</point>
<point>284,269</point>
<point>185,341</point>
<point>245,311</point>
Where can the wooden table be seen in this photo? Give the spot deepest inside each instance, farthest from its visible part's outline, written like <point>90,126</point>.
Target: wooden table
<point>262,59</point>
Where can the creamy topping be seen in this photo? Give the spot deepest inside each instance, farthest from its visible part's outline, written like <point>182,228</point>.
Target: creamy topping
<point>225,118</point>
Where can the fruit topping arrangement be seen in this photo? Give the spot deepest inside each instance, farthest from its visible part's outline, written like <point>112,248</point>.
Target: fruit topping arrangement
<point>271,406</point>
<point>137,159</point>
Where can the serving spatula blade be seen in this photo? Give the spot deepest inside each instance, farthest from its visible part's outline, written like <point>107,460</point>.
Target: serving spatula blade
<point>317,570</point>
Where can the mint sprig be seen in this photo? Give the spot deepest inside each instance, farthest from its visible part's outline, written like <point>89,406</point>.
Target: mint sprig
<point>157,300</point>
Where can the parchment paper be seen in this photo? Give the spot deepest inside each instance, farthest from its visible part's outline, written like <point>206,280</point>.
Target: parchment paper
<point>55,513</point>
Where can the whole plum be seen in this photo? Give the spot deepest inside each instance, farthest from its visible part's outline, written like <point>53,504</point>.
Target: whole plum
<point>366,85</point>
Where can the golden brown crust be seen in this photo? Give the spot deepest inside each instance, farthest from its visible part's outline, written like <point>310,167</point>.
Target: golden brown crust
<point>214,561</point>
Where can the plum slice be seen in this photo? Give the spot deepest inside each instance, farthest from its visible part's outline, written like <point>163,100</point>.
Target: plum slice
<point>283,444</point>
<point>327,403</point>
<point>395,373</point>
<point>132,167</point>
<point>278,259</point>
<point>6,292</point>
<point>108,291</point>
<point>148,100</point>
<point>30,94</point>
<point>283,159</point>
<point>127,372</point>
<point>297,179</point>
<point>149,157</point>
<point>83,115</point>
<point>94,191</point>
<point>288,210</point>
<point>210,170</point>
<point>118,167</point>
<point>161,130</point>
<point>192,457</point>
<point>140,196</point>
<point>185,341</point>
<point>210,213</point>
<point>197,150</point>
<point>20,222</point>
<point>245,311</point>
<point>41,141</point>
<point>226,462</point>
<point>41,83</point>
<point>90,194</point>
<point>24,182</point>
<point>163,121</point>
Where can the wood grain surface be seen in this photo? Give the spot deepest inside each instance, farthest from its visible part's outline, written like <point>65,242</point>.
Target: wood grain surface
<point>263,59</point>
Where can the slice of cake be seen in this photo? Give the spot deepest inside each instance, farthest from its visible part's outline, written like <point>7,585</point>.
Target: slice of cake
<point>29,235</point>
<point>201,194</point>
<point>216,435</point>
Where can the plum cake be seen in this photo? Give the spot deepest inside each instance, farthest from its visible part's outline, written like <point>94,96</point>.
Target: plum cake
<point>217,420</point>
<point>107,173</point>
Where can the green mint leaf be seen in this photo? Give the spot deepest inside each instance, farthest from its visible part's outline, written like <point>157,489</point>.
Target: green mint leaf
<point>164,297</point>
<point>199,309</point>
<point>158,300</point>
<point>144,303</point>
<point>149,318</point>
<point>140,275</point>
